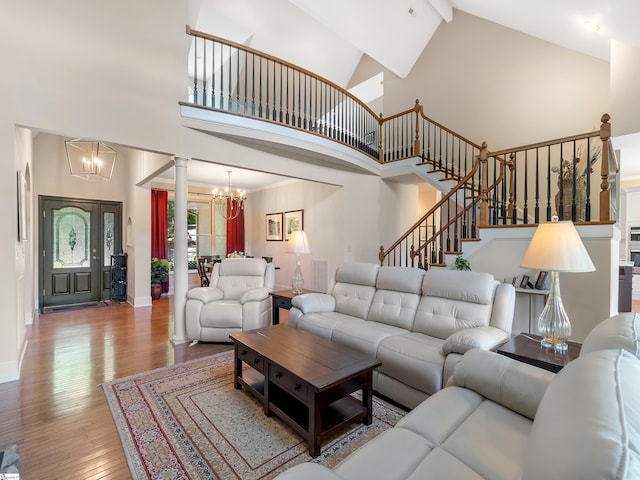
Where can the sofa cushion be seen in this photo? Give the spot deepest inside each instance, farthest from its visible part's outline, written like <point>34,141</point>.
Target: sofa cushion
<point>474,287</point>
<point>503,436</point>
<point>515,385</point>
<point>363,336</point>
<point>413,359</point>
<point>400,279</point>
<point>442,317</point>
<point>453,300</point>
<point>322,324</point>
<point>619,331</point>
<point>221,314</point>
<point>358,273</point>
<point>591,411</point>
<point>394,308</point>
<point>354,300</point>
<point>392,455</point>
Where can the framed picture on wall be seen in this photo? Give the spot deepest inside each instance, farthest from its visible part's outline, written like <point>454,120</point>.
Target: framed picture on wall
<point>274,226</point>
<point>292,222</point>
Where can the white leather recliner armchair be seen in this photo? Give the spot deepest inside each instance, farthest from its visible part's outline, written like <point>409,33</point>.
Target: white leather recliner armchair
<point>236,299</point>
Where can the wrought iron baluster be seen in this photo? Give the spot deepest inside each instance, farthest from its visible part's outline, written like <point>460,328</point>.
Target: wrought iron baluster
<point>525,209</point>
<point>536,215</point>
<point>213,75</point>
<point>195,70</point>
<point>548,183</point>
<point>204,73</point>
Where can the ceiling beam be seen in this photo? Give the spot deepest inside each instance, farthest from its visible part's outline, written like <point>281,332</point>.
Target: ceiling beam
<point>443,7</point>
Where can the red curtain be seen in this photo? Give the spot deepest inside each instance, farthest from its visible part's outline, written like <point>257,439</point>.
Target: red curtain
<point>235,231</point>
<point>159,231</point>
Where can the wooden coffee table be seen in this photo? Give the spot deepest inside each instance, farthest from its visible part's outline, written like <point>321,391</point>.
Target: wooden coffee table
<point>305,380</point>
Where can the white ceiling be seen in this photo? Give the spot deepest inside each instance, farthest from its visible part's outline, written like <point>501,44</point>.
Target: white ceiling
<point>331,36</point>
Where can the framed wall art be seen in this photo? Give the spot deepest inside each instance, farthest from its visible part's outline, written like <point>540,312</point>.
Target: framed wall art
<point>274,226</point>
<point>292,222</point>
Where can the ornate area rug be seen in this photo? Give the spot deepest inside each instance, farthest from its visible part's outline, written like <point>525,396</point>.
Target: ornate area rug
<point>187,421</point>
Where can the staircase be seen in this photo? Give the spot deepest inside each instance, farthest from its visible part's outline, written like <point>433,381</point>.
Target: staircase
<point>570,177</point>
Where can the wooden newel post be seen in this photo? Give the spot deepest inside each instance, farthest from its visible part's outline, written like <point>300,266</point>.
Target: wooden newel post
<point>381,255</point>
<point>605,193</point>
<point>416,140</point>
<point>484,203</point>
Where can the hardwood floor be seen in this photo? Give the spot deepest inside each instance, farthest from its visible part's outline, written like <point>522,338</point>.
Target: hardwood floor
<point>57,413</point>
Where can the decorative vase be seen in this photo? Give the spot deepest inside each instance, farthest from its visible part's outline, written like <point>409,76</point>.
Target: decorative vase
<point>156,291</point>
<point>567,199</point>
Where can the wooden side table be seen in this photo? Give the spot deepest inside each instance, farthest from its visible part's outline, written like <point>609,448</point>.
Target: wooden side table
<point>282,299</point>
<point>527,349</point>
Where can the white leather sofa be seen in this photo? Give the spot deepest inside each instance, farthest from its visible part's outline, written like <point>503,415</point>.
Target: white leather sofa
<point>417,323</point>
<point>501,419</point>
<point>236,299</point>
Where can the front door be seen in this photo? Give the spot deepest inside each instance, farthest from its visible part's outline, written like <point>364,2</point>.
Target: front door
<point>77,239</point>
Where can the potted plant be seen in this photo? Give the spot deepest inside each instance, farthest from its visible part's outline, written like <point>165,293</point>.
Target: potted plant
<point>159,274</point>
<point>462,263</point>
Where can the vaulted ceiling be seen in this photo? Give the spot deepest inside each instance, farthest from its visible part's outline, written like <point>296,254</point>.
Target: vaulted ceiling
<point>330,37</point>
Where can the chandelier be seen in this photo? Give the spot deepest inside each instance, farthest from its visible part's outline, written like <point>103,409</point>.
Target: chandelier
<point>232,201</point>
<point>90,159</point>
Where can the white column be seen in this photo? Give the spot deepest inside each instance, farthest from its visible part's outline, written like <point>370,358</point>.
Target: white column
<point>180,261</point>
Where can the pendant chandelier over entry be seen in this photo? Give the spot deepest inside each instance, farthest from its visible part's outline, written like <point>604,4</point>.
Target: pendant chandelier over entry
<point>90,159</point>
<point>234,201</point>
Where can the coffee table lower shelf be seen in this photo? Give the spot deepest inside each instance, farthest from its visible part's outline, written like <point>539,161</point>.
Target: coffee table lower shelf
<point>304,380</point>
<point>295,413</point>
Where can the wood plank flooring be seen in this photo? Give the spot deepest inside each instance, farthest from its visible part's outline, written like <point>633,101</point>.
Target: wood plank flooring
<point>57,413</point>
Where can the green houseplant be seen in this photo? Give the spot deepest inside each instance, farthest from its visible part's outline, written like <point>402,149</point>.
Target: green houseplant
<point>462,263</point>
<point>159,274</point>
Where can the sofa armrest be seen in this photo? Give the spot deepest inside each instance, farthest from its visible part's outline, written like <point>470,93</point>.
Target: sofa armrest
<point>314,302</point>
<point>205,294</point>
<point>513,384</point>
<point>484,338</point>
<point>308,471</point>
<point>254,295</point>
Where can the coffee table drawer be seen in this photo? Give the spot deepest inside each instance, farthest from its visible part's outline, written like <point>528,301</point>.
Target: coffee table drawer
<point>289,382</point>
<point>251,358</point>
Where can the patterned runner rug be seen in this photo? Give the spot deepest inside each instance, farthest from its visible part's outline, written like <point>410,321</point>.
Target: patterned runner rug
<point>188,422</point>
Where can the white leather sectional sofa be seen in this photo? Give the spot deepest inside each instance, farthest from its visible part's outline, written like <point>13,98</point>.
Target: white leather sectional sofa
<point>417,323</point>
<point>502,419</point>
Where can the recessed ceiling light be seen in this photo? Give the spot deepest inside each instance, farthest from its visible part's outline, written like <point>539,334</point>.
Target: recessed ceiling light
<point>593,26</point>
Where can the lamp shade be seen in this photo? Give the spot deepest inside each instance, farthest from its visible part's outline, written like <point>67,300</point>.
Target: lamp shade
<point>556,246</point>
<point>298,243</point>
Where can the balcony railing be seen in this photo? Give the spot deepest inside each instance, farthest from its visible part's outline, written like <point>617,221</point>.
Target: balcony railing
<point>570,177</point>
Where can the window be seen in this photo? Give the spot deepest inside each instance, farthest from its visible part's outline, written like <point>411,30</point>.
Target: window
<point>203,225</point>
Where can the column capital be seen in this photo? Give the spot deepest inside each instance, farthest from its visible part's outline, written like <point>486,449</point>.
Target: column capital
<point>181,160</point>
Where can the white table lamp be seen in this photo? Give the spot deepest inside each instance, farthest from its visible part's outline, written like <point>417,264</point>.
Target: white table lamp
<point>298,243</point>
<point>556,247</point>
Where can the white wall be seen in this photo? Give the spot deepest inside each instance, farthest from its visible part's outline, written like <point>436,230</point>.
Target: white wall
<point>343,223</point>
<point>625,95</point>
<point>491,83</point>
